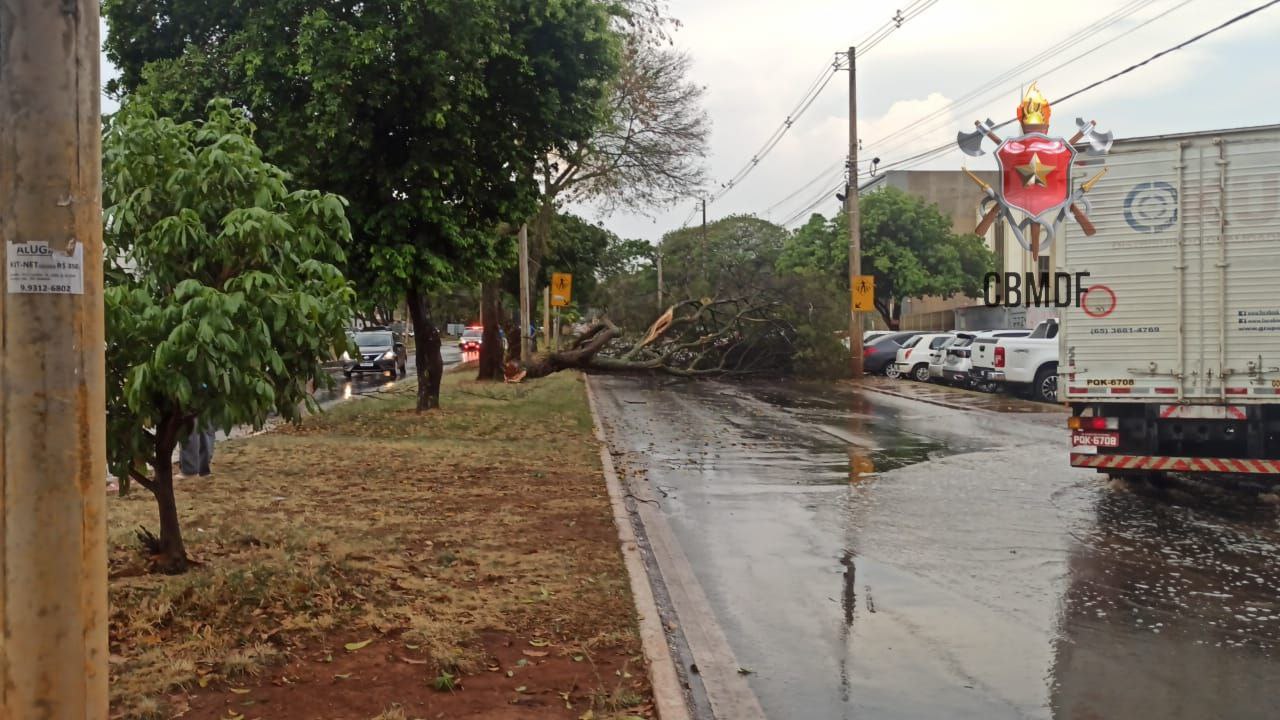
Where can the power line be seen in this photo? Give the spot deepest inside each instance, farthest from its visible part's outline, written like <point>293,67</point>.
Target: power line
<point>826,195</point>
<point>1065,63</point>
<point>928,154</point>
<point>899,18</point>
<point>820,176</point>
<point>932,119</point>
<point>814,90</point>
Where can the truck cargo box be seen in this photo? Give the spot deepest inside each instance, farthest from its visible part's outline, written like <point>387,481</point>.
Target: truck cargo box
<point>1183,305</point>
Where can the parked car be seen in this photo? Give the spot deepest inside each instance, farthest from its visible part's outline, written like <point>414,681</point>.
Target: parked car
<point>914,361</point>
<point>872,335</point>
<point>938,358</point>
<point>878,356</point>
<point>902,357</point>
<point>1028,365</point>
<point>379,350</point>
<point>955,369</point>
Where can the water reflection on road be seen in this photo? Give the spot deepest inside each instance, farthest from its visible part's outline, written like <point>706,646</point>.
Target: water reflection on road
<point>880,557</point>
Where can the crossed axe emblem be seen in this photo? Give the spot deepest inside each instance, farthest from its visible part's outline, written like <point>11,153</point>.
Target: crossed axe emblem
<point>1087,138</point>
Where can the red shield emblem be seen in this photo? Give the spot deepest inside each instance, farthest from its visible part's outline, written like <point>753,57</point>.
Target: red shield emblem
<point>1035,173</point>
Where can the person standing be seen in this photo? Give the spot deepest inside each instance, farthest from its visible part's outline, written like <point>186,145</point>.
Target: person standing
<point>197,452</point>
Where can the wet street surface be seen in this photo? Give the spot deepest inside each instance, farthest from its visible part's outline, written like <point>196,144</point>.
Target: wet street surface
<point>372,383</point>
<point>871,556</point>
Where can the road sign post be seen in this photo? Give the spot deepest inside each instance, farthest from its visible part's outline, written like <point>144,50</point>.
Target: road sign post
<point>561,296</point>
<point>864,293</point>
<point>561,289</point>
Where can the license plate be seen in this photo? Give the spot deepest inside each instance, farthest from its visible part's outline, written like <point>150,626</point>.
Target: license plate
<point>1095,439</point>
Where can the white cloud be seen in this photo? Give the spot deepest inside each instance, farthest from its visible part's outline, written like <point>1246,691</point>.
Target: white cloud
<point>756,56</point>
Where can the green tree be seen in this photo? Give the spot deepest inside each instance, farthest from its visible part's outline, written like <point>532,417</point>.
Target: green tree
<point>580,249</point>
<point>429,116</point>
<point>734,256</point>
<point>907,244</point>
<point>222,295</point>
<point>628,283</point>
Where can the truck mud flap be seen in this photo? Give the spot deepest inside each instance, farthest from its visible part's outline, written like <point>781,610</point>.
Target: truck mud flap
<point>1175,464</point>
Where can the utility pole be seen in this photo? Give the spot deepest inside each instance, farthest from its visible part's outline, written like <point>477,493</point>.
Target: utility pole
<point>53,474</point>
<point>659,254</point>
<point>855,228</point>
<point>704,241</point>
<point>546,318</point>
<point>526,338</point>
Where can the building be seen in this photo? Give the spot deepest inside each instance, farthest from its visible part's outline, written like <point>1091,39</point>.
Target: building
<point>957,197</point>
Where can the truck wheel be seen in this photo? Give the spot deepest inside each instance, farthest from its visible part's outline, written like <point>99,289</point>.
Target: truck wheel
<point>1045,387</point>
<point>920,372</point>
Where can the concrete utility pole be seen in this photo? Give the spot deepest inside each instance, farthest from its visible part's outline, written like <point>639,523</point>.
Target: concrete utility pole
<point>659,254</point>
<point>704,239</point>
<point>53,560</point>
<point>526,352</point>
<point>855,228</point>
<point>546,318</point>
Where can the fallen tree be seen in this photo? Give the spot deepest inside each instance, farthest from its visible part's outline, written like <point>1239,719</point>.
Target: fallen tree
<point>694,338</point>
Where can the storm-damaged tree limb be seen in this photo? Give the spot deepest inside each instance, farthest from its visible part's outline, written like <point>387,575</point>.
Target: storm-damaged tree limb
<point>694,338</point>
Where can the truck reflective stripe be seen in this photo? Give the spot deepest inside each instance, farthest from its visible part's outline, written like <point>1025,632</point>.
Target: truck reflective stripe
<point>1160,462</point>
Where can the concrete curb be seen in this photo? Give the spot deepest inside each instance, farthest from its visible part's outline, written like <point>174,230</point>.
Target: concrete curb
<point>728,695</point>
<point>668,692</point>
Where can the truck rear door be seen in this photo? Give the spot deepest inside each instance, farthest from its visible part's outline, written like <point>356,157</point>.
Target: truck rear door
<point>1182,291</point>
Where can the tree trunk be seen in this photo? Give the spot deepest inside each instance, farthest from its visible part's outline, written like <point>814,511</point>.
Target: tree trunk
<point>430,364</point>
<point>171,552</point>
<point>491,340</point>
<point>515,338</point>
<point>583,354</point>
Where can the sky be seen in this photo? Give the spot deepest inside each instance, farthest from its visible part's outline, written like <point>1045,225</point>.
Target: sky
<point>756,58</point>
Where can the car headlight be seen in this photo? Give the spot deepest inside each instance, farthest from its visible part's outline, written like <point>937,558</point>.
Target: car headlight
<point>389,355</point>
<point>346,356</point>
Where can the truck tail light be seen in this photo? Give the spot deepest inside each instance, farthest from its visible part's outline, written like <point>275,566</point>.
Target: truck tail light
<point>999,356</point>
<point>1093,423</point>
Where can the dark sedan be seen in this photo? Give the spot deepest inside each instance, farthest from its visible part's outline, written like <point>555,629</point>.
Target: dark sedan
<point>381,351</point>
<point>879,354</point>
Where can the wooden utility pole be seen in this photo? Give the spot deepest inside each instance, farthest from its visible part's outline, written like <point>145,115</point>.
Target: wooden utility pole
<point>855,229</point>
<point>526,338</point>
<point>53,559</point>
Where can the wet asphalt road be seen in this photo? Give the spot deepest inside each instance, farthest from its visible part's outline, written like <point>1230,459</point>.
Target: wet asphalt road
<point>368,383</point>
<point>878,557</point>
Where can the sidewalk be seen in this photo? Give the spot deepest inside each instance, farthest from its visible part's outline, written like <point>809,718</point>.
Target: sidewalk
<point>377,563</point>
<point>954,397</point>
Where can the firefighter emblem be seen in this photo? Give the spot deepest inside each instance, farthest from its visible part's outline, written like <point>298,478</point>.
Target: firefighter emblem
<point>1036,174</point>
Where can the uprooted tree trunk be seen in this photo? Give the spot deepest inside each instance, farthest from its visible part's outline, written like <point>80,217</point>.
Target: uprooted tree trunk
<point>691,339</point>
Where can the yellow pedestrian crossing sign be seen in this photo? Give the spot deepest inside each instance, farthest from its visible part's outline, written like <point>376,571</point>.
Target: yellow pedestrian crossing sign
<point>864,293</point>
<point>561,289</point>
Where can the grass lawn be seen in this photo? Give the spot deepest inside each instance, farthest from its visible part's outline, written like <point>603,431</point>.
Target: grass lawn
<point>377,563</point>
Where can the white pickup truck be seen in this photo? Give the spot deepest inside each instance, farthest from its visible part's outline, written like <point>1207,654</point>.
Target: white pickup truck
<point>1025,364</point>
<point>1172,360</point>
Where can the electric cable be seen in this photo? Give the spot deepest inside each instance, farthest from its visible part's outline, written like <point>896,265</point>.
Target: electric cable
<point>928,154</point>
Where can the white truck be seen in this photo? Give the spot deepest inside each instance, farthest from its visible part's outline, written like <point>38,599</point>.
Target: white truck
<point>1171,361</point>
<point>1027,365</point>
